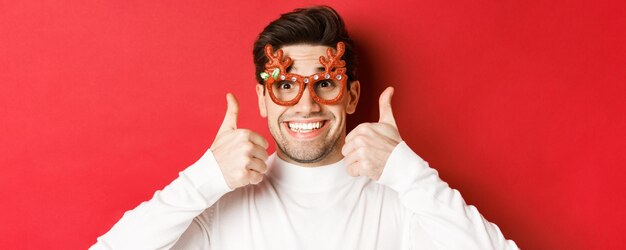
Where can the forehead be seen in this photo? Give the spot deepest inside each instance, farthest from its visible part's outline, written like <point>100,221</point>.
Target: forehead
<point>306,58</point>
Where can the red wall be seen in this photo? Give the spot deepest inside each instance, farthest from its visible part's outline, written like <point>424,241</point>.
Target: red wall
<point>519,105</point>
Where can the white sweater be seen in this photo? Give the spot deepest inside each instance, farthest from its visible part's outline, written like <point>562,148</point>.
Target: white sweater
<point>307,208</point>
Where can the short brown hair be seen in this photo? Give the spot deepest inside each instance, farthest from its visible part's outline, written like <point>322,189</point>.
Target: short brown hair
<point>319,25</point>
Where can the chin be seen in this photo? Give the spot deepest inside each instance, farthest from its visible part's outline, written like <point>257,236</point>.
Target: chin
<point>301,152</point>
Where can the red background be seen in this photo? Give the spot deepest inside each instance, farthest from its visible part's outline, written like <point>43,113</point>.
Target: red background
<point>518,104</point>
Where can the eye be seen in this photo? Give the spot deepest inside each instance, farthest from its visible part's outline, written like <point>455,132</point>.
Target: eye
<point>285,85</point>
<point>324,84</point>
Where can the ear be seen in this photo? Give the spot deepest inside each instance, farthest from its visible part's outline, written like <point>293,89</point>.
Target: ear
<point>261,98</point>
<point>353,96</point>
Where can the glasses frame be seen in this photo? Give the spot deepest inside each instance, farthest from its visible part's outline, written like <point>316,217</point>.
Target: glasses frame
<point>334,70</point>
<point>337,75</point>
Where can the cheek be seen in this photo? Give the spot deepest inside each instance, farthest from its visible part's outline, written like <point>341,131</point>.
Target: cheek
<point>339,113</point>
<point>274,113</point>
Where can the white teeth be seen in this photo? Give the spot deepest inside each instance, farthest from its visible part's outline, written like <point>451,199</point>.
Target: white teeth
<point>304,127</point>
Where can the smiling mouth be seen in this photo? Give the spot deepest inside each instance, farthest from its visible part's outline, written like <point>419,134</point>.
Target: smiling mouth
<point>305,127</point>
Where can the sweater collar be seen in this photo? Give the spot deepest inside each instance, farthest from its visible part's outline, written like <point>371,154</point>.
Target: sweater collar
<point>307,179</point>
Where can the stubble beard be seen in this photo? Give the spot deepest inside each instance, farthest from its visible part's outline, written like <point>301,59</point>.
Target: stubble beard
<point>304,152</point>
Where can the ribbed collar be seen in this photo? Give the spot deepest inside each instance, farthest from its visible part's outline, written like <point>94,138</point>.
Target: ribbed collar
<point>307,179</point>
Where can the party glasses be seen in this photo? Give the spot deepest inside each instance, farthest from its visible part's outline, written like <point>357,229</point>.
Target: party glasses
<point>286,89</point>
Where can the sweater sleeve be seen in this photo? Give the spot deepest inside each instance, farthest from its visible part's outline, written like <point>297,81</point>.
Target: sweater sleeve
<point>439,212</point>
<point>159,222</point>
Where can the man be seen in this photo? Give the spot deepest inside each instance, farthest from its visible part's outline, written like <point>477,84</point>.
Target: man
<point>322,189</point>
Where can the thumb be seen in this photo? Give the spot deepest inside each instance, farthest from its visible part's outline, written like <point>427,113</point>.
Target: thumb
<point>232,111</point>
<point>384,105</point>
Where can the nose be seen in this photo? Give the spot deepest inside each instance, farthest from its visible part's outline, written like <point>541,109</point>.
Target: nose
<point>307,104</point>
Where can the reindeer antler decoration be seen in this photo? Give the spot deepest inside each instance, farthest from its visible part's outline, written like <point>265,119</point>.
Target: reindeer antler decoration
<point>334,60</point>
<point>275,62</point>
<point>280,65</point>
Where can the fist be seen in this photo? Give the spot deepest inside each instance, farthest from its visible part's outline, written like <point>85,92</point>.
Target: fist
<point>369,145</point>
<point>240,153</point>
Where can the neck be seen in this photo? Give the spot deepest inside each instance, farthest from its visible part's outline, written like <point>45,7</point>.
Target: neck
<point>333,157</point>
<point>307,179</point>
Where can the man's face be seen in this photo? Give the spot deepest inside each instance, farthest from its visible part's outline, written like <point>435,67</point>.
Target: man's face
<point>308,133</point>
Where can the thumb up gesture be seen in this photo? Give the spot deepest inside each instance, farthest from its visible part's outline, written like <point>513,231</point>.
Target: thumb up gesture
<point>369,145</point>
<point>240,153</point>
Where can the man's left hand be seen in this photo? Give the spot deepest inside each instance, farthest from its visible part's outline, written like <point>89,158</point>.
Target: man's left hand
<point>369,145</point>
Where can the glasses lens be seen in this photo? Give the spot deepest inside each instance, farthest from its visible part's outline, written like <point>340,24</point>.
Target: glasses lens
<point>327,89</point>
<point>285,90</point>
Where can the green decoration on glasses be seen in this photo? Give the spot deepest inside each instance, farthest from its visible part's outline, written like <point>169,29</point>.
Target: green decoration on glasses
<point>275,73</point>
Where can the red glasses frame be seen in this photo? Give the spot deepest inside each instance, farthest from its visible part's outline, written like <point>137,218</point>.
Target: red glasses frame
<point>334,70</point>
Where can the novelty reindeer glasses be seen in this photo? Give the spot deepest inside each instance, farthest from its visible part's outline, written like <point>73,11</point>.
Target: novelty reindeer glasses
<point>286,89</point>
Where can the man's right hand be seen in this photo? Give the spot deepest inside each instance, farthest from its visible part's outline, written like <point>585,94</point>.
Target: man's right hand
<point>240,153</point>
